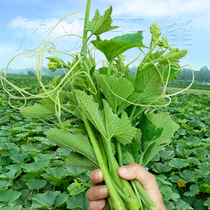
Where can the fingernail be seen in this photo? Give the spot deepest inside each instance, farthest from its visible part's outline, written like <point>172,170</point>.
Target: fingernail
<point>104,191</point>
<point>99,175</point>
<point>100,203</point>
<point>123,170</point>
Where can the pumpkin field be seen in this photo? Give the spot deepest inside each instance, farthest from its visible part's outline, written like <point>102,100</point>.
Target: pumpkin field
<point>33,174</point>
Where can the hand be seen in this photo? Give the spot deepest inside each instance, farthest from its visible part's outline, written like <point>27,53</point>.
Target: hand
<point>97,194</point>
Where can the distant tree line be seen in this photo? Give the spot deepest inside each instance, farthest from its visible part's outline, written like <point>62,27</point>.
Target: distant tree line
<point>202,76</point>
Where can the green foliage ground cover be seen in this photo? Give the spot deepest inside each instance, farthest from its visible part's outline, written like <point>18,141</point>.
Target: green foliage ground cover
<point>33,174</point>
<point>185,83</point>
<point>183,168</point>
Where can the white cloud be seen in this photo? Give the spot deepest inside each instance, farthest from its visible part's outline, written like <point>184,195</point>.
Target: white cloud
<point>40,27</point>
<point>160,8</point>
<point>30,33</point>
<point>6,49</point>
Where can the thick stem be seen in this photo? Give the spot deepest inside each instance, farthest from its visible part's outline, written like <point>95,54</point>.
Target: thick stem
<point>87,14</point>
<point>109,70</point>
<point>111,159</point>
<point>137,193</point>
<point>128,191</point>
<point>102,146</point>
<point>117,201</point>
<point>146,201</point>
<point>119,153</point>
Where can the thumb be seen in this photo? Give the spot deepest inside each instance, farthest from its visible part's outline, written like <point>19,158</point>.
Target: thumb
<point>135,171</point>
<point>145,178</point>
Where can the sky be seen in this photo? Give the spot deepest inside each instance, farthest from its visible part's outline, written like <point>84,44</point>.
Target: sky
<point>25,24</point>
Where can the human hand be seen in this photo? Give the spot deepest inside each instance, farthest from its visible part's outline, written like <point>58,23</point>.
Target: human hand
<point>97,194</point>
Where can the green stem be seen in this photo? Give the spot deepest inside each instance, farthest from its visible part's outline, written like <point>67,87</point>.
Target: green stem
<point>76,130</point>
<point>111,159</point>
<point>87,14</point>
<point>132,113</point>
<point>147,202</point>
<point>109,69</point>
<point>84,47</point>
<point>102,146</point>
<point>128,191</point>
<point>110,203</point>
<point>136,115</point>
<point>137,193</point>
<point>119,152</point>
<point>145,107</point>
<point>117,201</point>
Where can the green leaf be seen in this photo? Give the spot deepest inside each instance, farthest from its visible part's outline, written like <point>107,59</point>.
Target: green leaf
<point>199,205</point>
<point>37,111</point>
<point>116,127</point>
<point>155,31</point>
<point>180,204</point>
<point>76,188</point>
<point>75,171</point>
<point>149,153</point>
<point>5,133</point>
<point>148,81</point>
<point>183,152</point>
<point>162,178</point>
<point>166,155</point>
<point>55,174</point>
<point>36,184</point>
<point>169,205</point>
<point>161,168</point>
<point>19,158</point>
<point>79,201</point>
<point>193,190</point>
<point>128,158</point>
<point>178,163</point>
<point>114,90</point>
<point>106,122</point>
<point>12,208</point>
<point>9,196</point>
<point>133,98</point>
<point>148,129</point>
<point>116,46</point>
<point>11,175</point>
<point>157,129</point>
<point>49,102</point>
<point>169,195</point>
<point>91,110</point>
<point>36,168</point>
<point>3,120</point>
<point>207,203</point>
<point>205,188</point>
<point>76,142</point>
<point>100,24</point>
<point>45,200</point>
<point>4,184</point>
<point>41,157</point>
<point>175,54</point>
<point>163,120</point>
<point>188,176</point>
<point>63,152</point>
<point>26,195</point>
<point>175,179</point>
<point>55,63</point>
<point>78,160</point>
<point>60,199</point>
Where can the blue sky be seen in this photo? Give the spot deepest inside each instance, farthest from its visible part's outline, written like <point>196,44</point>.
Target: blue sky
<point>24,24</point>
